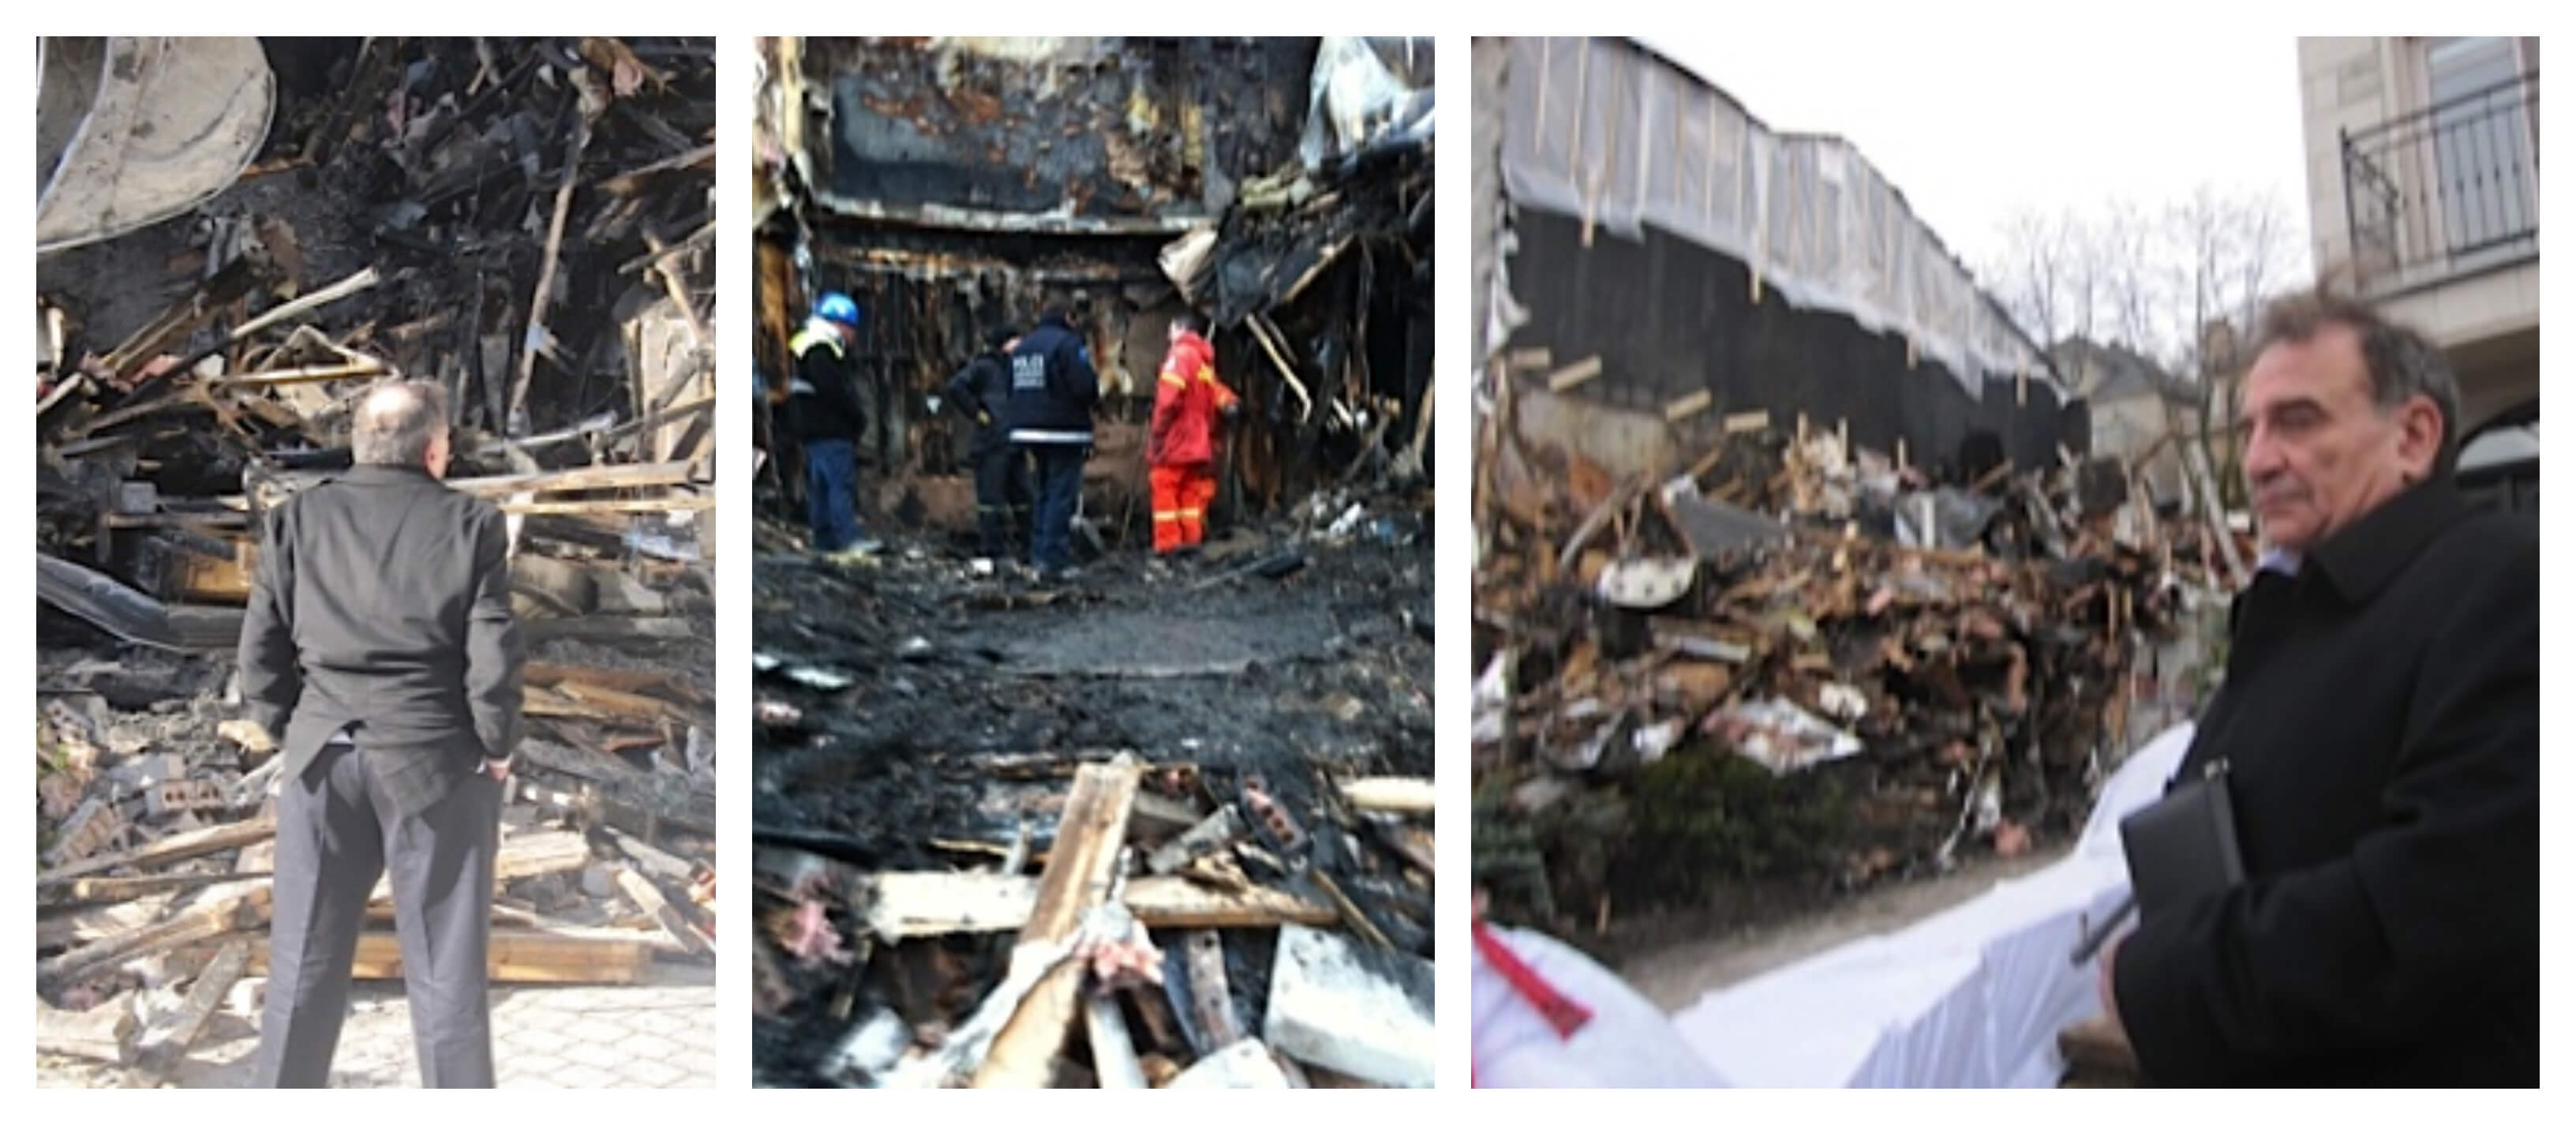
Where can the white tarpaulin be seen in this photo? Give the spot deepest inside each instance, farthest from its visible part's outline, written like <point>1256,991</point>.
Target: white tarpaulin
<point>1628,1043</point>
<point>1971,997</point>
<point>1366,92</point>
<point>1606,131</point>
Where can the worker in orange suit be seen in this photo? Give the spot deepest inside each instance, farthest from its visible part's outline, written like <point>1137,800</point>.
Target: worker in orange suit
<point>1188,399</point>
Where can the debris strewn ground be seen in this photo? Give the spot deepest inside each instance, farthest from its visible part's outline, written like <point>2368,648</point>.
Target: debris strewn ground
<point>529,223</point>
<point>929,756</point>
<point>1167,824</point>
<point>1798,668</point>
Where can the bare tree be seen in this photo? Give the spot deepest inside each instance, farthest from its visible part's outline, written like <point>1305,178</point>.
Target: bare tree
<point>2231,247</point>
<point>2088,271</point>
<point>2034,274</point>
<point>2135,277</point>
<point>2155,280</point>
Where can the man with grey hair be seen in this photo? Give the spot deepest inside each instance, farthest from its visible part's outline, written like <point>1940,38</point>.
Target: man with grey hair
<point>2379,733</point>
<point>379,646</point>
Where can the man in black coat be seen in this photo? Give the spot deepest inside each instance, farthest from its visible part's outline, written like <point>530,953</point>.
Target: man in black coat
<point>380,642</point>
<point>1053,389</point>
<point>982,391</point>
<point>2380,720</point>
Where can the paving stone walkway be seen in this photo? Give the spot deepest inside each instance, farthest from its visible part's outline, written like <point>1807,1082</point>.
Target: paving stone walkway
<point>658,1033</point>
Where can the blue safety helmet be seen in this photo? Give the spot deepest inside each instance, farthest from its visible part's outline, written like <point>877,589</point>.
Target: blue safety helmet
<point>838,309</point>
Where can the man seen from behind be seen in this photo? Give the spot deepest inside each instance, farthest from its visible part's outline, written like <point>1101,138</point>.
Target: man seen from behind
<point>380,650</point>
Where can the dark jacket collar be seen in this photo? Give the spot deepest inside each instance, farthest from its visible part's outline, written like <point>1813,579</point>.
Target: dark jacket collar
<point>2361,559</point>
<point>386,474</point>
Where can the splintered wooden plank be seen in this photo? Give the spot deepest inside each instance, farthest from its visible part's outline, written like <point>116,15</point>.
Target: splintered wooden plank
<point>164,1044</point>
<point>1390,794</point>
<point>553,703</point>
<point>170,849</point>
<point>1113,1050</point>
<point>1574,375</point>
<point>224,910</point>
<point>649,898</point>
<point>525,855</point>
<point>906,905</point>
<point>1687,405</point>
<point>100,922</point>
<point>98,1034</point>
<point>580,479</point>
<point>619,679</point>
<point>98,889</point>
<point>1088,840</point>
<point>609,629</point>
<point>624,703</point>
<point>1212,1008</point>
<point>520,956</point>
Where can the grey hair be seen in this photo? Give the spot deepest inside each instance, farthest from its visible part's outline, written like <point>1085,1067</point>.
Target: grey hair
<point>394,424</point>
<point>2401,362</point>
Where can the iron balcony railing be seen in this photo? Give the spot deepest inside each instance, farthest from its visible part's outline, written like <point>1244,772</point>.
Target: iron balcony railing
<point>2452,186</point>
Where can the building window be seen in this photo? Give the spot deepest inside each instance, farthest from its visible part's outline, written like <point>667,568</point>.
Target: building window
<point>2485,155</point>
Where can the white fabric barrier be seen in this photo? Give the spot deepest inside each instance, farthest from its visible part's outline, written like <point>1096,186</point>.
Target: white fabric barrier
<point>1615,133</point>
<point>1627,1044</point>
<point>1971,997</point>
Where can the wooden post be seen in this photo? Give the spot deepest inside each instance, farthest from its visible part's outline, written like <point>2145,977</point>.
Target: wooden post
<point>1574,375</point>
<point>1686,405</point>
<point>1078,873</point>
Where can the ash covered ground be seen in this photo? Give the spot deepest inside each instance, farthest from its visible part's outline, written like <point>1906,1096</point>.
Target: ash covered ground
<point>968,697</point>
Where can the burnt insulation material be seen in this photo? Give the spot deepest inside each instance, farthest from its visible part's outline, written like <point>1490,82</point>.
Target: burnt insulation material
<point>1669,317</point>
<point>1121,128</point>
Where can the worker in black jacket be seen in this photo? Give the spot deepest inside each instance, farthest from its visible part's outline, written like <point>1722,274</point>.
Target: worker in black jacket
<point>823,407</point>
<point>982,391</point>
<point>380,651</point>
<point>1053,389</point>
<point>2380,721</point>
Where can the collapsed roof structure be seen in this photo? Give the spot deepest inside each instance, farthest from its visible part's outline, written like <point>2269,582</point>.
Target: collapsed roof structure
<point>955,185</point>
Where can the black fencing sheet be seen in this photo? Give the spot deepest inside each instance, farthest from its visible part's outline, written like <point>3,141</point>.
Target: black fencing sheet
<point>1668,317</point>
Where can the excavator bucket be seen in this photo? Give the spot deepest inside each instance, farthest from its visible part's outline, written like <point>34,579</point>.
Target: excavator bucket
<point>134,130</point>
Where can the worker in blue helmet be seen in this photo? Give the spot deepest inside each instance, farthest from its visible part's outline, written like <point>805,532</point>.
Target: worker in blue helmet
<point>826,417</point>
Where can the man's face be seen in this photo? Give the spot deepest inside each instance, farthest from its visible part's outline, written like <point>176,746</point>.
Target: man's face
<point>436,458</point>
<point>2319,452</point>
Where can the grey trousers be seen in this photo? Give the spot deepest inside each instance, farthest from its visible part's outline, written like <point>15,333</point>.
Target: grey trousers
<point>336,831</point>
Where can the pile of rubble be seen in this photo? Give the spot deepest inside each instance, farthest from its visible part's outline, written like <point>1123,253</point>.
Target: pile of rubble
<point>1795,658</point>
<point>1118,941</point>
<point>153,882</point>
<point>1166,827</point>
<point>529,223</point>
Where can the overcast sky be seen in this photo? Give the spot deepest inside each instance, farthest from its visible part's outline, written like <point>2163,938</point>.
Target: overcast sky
<point>1980,126</point>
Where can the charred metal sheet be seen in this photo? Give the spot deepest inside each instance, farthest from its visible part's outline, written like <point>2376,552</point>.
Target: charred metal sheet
<point>104,602</point>
<point>1716,528</point>
<point>1111,135</point>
